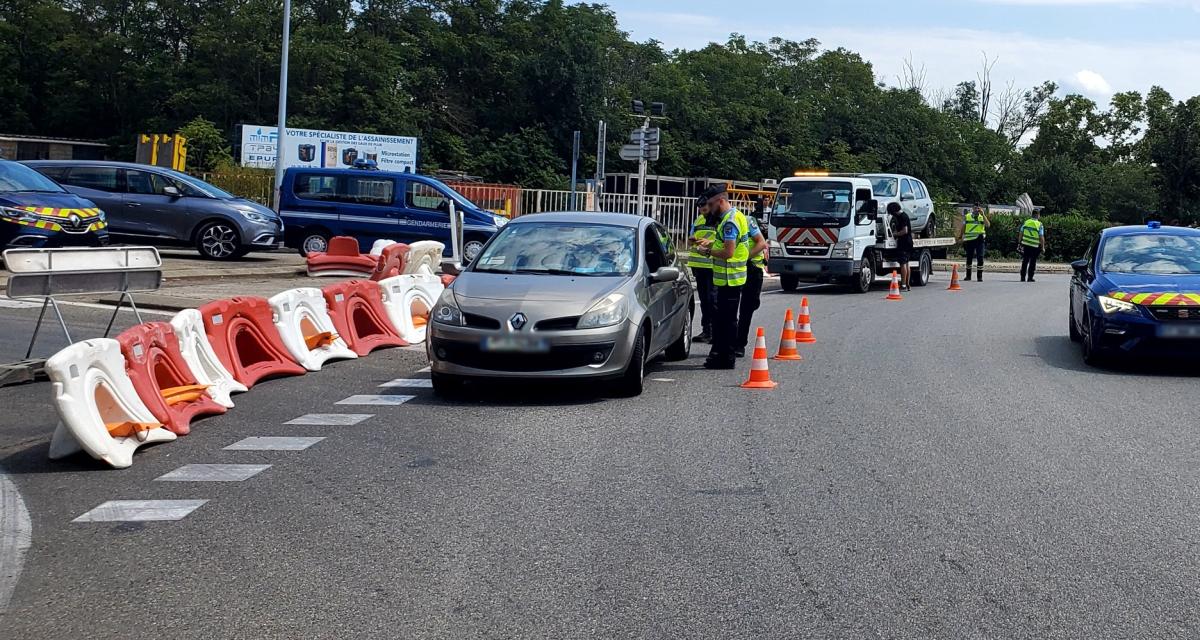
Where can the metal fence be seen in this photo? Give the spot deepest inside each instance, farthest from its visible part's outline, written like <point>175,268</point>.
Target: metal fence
<point>258,187</point>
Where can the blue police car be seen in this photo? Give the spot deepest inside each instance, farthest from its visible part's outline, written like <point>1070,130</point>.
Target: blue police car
<point>36,212</point>
<point>1137,291</point>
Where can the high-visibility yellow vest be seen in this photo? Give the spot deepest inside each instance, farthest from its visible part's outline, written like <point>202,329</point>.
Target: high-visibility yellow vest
<point>701,231</point>
<point>973,227</point>
<point>732,272</point>
<point>1031,233</point>
<point>759,260</point>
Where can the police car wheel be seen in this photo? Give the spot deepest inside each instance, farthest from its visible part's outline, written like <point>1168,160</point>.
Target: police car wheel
<point>471,248</point>
<point>314,242</point>
<point>1074,330</point>
<point>1093,355</point>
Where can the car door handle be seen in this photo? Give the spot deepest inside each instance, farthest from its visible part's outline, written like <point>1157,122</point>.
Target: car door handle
<point>133,204</point>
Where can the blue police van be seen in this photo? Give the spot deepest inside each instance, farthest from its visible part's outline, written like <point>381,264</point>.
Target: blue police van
<point>317,204</point>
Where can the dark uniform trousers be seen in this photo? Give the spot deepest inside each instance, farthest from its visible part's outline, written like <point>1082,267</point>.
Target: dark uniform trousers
<point>751,299</point>
<point>708,298</point>
<point>725,324</point>
<point>1029,258</point>
<point>975,250</point>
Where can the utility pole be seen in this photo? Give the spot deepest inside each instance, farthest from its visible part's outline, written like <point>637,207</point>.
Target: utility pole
<point>641,201</point>
<point>601,148</point>
<point>281,134</point>
<point>574,167</point>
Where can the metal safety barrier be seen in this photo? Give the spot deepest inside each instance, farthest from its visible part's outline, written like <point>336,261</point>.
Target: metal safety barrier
<point>49,274</point>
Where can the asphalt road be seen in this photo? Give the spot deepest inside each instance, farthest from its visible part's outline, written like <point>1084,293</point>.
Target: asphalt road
<point>940,467</point>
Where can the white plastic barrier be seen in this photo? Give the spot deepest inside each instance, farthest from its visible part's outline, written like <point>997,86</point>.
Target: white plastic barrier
<point>425,257</point>
<point>201,359</point>
<point>380,245</point>
<point>302,317</point>
<point>91,392</point>
<point>409,299</point>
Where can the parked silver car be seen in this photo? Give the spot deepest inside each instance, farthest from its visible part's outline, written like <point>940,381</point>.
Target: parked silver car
<point>159,206</point>
<point>564,295</point>
<point>910,194</point>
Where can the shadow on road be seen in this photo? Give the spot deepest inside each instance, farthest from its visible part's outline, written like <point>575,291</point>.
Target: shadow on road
<point>1060,353</point>
<point>33,460</point>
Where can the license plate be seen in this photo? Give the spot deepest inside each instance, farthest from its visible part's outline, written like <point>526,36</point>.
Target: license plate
<point>513,343</point>
<point>1178,332</point>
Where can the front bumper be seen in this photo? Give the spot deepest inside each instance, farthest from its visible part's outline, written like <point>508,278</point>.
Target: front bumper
<point>577,354</point>
<point>14,236</point>
<point>1123,333</point>
<point>814,269</point>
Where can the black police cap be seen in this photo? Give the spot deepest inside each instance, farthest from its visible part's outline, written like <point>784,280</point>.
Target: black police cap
<point>712,192</point>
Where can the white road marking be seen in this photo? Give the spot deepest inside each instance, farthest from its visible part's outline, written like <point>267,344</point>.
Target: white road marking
<point>376,400</point>
<point>8,303</point>
<point>213,473</point>
<point>662,379</point>
<point>140,510</point>
<point>331,419</point>
<point>412,383</point>
<point>16,534</point>
<point>271,443</point>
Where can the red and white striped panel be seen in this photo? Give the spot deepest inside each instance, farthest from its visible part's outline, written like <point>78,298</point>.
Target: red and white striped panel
<point>819,236</point>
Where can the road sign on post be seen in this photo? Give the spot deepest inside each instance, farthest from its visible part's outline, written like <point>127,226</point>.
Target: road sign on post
<point>650,136</point>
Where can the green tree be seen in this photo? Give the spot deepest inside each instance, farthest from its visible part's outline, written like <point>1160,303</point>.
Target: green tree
<point>207,150</point>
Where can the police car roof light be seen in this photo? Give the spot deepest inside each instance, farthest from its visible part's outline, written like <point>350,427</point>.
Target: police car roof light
<point>1154,224</point>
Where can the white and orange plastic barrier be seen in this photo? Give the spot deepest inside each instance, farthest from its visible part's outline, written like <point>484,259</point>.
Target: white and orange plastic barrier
<point>424,257</point>
<point>409,300</point>
<point>302,318</point>
<point>99,410</point>
<point>202,360</point>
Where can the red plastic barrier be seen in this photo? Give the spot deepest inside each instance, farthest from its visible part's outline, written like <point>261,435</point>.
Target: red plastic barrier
<point>244,338</point>
<point>342,258</point>
<point>162,378</point>
<point>356,308</point>
<point>391,262</point>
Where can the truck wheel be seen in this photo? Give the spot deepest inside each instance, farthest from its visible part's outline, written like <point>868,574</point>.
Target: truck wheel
<point>924,272</point>
<point>866,275</point>
<point>789,281</point>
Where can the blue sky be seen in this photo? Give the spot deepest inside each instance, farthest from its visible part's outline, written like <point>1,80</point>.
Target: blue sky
<point>1093,47</point>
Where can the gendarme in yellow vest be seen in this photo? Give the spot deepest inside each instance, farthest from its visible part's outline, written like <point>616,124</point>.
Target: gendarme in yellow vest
<point>973,227</point>
<point>732,272</point>
<point>702,231</point>
<point>1031,233</point>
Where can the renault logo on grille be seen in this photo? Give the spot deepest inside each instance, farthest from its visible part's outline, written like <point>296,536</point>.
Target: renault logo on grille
<point>518,320</point>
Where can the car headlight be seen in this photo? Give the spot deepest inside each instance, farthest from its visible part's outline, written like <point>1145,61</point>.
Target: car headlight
<point>100,214</point>
<point>17,215</point>
<point>253,216</point>
<point>774,249</point>
<point>446,310</point>
<point>609,311</point>
<point>843,249</point>
<point>1112,305</point>
<point>500,220</point>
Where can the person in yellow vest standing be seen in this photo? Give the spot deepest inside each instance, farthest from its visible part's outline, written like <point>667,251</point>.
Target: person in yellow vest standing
<point>1032,238</point>
<point>974,239</point>
<point>704,231</point>
<point>752,291</point>
<point>730,252</point>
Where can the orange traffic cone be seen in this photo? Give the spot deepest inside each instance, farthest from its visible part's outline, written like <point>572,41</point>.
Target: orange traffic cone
<point>804,334</point>
<point>954,286</point>
<point>760,377</point>
<point>894,293</point>
<point>787,341</point>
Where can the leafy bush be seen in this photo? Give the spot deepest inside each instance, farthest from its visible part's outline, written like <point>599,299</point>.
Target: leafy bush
<point>1068,236</point>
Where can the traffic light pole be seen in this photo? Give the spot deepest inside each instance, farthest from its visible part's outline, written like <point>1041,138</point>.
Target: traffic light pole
<point>642,167</point>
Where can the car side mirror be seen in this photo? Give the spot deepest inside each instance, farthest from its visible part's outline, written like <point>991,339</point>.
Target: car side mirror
<point>907,196</point>
<point>1080,266</point>
<point>171,191</point>
<point>665,274</point>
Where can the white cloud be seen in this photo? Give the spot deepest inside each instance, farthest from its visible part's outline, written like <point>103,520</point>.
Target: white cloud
<point>1091,83</point>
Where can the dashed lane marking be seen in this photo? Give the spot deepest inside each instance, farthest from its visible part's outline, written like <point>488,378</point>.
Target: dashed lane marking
<point>271,443</point>
<point>213,473</point>
<point>662,379</point>
<point>16,534</point>
<point>376,400</point>
<point>330,419</point>
<point>410,383</point>
<point>140,510</point>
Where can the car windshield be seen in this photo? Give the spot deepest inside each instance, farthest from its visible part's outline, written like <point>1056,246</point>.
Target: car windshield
<point>815,201</point>
<point>204,188</point>
<point>560,248</point>
<point>1151,253</point>
<point>18,178</point>
<point>884,187</point>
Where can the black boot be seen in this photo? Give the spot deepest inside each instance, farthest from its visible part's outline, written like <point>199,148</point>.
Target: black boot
<point>979,276</point>
<point>704,337</point>
<point>968,278</point>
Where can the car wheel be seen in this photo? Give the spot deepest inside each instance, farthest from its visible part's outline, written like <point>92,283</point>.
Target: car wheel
<point>924,270</point>
<point>789,282</point>
<point>682,347</point>
<point>1074,330</point>
<point>930,227</point>
<point>866,275</point>
<point>314,242</point>
<point>471,248</point>
<point>633,380</point>
<point>1093,355</point>
<point>446,386</point>
<point>219,241</point>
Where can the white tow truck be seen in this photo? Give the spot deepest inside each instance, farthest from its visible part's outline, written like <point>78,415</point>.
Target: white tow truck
<point>827,228</point>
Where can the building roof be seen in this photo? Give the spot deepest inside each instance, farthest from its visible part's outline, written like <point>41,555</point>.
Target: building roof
<point>13,137</point>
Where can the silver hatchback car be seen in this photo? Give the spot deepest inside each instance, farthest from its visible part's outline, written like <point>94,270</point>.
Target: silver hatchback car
<point>579,295</point>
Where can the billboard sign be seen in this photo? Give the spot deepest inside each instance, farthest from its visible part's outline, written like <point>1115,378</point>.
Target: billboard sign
<point>333,149</point>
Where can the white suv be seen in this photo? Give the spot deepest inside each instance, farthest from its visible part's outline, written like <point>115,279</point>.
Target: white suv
<point>910,193</point>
